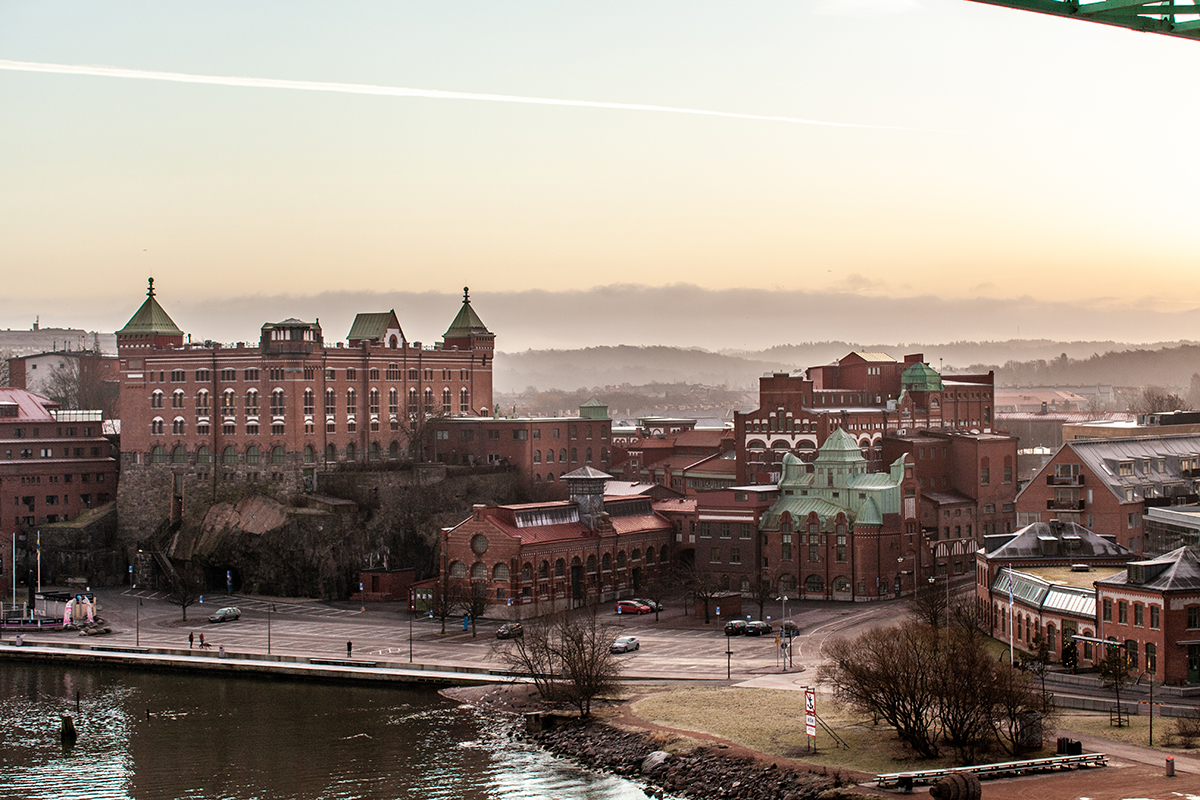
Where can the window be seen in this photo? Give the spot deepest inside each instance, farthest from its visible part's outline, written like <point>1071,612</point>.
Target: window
<point>464,401</point>
<point>537,456</point>
<point>156,401</point>
<point>428,400</point>
<point>351,374</point>
<point>373,400</point>
<point>787,546</point>
<point>203,455</point>
<point>1108,610</point>
<point>252,402</point>
<point>735,555</point>
<point>229,376</point>
<point>277,456</point>
<point>1193,617</point>
<point>1151,658</point>
<point>177,399</point>
<point>156,428</point>
<point>202,376</point>
<point>985,476</point>
<point>714,556</point>
<point>178,376</point>
<point>1154,617</point>
<point>309,402</point>
<point>229,455</point>
<point>252,428</point>
<point>446,401</point>
<point>1137,614</point>
<point>351,401</point>
<point>250,374</point>
<point>330,402</point>
<point>277,404</point>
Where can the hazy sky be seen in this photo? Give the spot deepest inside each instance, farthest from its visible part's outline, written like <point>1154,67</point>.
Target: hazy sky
<point>984,153</point>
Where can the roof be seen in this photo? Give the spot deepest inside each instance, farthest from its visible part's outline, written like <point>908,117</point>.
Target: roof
<point>1067,540</point>
<point>874,357</point>
<point>840,446</point>
<point>1036,591</point>
<point>467,323</point>
<point>1102,457</point>
<point>945,498</point>
<point>151,318</point>
<point>587,472</point>
<point>373,326</point>
<point>1178,570</point>
<point>921,377</point>
<point>30,407</point>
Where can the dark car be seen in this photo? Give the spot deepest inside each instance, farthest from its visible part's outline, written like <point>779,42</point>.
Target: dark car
<point>758,628</point>
<point>225,614</point>
<point>653,605</point>
<point>510,630</point>
<point>735,627</point>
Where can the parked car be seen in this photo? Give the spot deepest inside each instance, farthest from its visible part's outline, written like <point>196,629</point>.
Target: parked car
<point>225,614</point>
<point>624,644</point>
<point>758,628</point>
<point>789,628</point>
<point>631,607</point>
<point>510,630</point>
<point>653,605</point>
<point>735,627</point>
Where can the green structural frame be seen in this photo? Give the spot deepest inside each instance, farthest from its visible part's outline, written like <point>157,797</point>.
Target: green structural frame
<point>1166,17</point>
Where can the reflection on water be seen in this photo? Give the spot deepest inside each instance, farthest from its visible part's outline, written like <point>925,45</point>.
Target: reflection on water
<point>233,738</point>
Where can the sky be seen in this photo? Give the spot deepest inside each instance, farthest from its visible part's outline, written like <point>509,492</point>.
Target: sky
<point>879,170</point>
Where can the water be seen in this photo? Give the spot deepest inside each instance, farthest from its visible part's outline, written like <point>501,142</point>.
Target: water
<point>241,738</point>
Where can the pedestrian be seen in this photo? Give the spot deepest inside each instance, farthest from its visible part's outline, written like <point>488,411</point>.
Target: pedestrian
<point>202,641</point>
<point>349,647</point>
<point>191,640</point>
<point>221,651</point>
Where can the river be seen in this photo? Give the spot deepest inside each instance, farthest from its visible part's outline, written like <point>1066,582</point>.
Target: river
<point>241,738</point>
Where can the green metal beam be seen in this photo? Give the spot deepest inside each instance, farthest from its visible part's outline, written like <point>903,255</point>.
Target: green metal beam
<point>1164,16</point>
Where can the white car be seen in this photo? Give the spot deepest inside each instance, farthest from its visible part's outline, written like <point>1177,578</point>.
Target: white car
<point>624,644</point>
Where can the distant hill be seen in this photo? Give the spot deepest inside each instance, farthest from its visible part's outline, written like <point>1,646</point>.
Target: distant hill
<point>1017,362</point>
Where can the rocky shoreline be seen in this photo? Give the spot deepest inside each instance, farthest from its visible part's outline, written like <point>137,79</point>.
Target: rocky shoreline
<point>702,772</point>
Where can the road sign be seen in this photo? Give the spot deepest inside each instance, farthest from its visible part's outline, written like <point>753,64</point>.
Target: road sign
<point>810,712</point>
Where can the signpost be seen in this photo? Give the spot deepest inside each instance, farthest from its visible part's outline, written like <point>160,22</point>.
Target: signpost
<point>810,716</point>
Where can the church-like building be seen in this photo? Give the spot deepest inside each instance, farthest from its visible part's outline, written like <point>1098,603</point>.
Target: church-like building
<point>282,410</point>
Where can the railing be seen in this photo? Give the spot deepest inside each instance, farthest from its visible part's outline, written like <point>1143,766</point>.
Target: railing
<point>1064,505</point>
<point>1064,480</point>
<point>907,780</point>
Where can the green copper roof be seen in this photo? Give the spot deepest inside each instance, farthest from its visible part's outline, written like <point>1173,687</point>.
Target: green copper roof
<point>868,513</point>
<point>593,409</point>
<point>467,323</point>
<point>921,377</point>
<point>373,327</point>
<point>840,446</point>
<point>151,318</point>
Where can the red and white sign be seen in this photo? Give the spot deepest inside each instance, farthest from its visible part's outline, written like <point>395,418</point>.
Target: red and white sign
<point>810,712</point>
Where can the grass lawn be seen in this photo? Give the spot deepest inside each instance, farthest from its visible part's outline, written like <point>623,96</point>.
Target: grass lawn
<point>772,722</point>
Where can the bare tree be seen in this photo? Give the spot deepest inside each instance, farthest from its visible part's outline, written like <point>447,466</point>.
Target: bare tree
<point>471,598</point>
<point>185,589</point>
<point>700,585</point>
<point>568,658</point>
<point>928,603</point>
<point>761,592</point>
<point>1155,399</point>
<point>1114,669</point>
<point>1036,663</point>
<point>1014,704</point>
<point>444,603</point>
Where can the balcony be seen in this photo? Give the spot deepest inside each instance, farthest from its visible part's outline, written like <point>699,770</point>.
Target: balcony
<point>1064,480</point>
<point>1054,504</point>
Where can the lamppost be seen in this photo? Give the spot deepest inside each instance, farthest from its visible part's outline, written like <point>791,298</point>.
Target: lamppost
<point>138,622</point>
<point>270,609</point>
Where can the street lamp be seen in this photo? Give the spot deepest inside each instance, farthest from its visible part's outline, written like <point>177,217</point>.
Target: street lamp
<point>138,618</point>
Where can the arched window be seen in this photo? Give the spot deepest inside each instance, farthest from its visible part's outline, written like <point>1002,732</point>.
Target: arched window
<point>458,569</point>
<point>591,565</point>
<point>373,399</point>
<point>428,400</point>
<point>500,573</point>
<point>787,583</point>
<point>392,342</point>
<point>606,562</point>
<point>841,584</point>
<point>412,402</point>
<point>252,402</point>
<point>351,402</point>
<point>350,452</point>
<point>446,401</point>
<point>330,453</point>
<point>588,455</point>
<point>537,456</point>
<point>394,451</point>
<point>252,455</point>
<point>814,584</point>
<point>621,559</point>
<point>177,399</point>
<point>374,455</point>
<point>277,405</point>
<point>228,402</point>
<point>156,426</point>
<point>649,555</point>
<point>202,404</point>
<point>177,426</point>
<point>310,402</point>
<point>464,401</point>
<point>549,456</point>
<point>636,555</point>
<point>330,402</point>
<point>562,455</point>
<point>393,402</point>
<point>574,454</point>
<point>179,455</point>
<point>550,477</point>
<point>277,456</point>
<point>203,455</point>
<point>229,455</point>
<point>156,399</point>
<point>310,454</point>
<point>604,454</point>
<point>527,573</point>
<point>478,571</point>
<point>544,570</point>
<point>158,455</point>
<point>560,568</point>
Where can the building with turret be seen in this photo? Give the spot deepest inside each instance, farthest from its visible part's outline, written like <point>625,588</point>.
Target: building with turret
<point>282,410</point>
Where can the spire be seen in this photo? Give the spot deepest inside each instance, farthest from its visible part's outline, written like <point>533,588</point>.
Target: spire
<point>467,323</point>
<point>151,319</point>
<point>150,291</point>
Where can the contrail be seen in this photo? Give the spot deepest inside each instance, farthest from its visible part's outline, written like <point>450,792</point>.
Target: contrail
<point>400,91</point>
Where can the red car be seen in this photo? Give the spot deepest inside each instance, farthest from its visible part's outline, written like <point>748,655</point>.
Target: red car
<point>630,607</point>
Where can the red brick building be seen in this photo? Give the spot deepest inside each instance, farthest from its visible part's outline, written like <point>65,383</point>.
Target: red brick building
<point>543,448</point>
<point>865,395</point>
<point>679,456</point>
<point>284,409</point>
<point>1106,484</point>
<point>537,558</point>
<point>76,379</point>
<point>967,481</point>
<point>54,465</point>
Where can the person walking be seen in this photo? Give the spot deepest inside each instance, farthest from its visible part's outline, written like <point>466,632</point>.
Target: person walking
<point>202,641</point>
<point>191,640</point>
<point>349,647</point>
